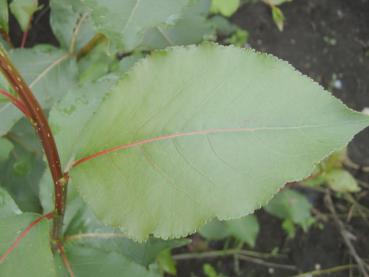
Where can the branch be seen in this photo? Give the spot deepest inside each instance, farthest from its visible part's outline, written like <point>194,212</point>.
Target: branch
<point>19,104</point>
<point>41,125</point>
<point>326,271</point>
<point>23,234</point>
<point>363,267</point>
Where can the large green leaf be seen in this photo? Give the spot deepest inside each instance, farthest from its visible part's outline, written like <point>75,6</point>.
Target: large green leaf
<point>204,132</point>
<point>32,256</point>
<point>49,73</point>
<point>124,21</point>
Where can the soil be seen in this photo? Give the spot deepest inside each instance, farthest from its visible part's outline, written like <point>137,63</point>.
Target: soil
<point>329,41</point>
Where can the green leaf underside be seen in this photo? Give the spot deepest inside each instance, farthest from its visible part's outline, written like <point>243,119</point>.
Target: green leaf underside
<point>88,261</point>
<point>204,132</point>
<point>32,256</point>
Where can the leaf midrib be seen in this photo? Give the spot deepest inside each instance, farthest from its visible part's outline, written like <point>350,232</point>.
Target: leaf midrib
<point>206,132</point>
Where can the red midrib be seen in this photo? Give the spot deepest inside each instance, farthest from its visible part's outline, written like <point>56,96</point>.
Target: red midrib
<point>160,138</point>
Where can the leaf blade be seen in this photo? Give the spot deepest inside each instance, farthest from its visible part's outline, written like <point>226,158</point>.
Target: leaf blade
<point>182,179</point>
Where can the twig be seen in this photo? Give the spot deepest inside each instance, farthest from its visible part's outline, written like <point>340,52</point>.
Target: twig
<point>23,234</point>
<point>264,263</point>
<point>345,235</point>
<point>221,253</point>
<point>326,271</point>
<point>16,102</point>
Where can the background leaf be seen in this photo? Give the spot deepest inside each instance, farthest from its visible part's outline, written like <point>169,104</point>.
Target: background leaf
<point>192,27</point>
<point>205,137</point>
<point>49,73</point>
<point>32,256</point>
<point>4,15</point>
<point>292,206</point>
<point>124,21</point>
<point>225,7</point>
<point>23,11</point>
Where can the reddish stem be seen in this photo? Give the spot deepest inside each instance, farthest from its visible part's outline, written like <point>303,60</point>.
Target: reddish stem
<point>64,257</point>
<point>23,234</point>
<point>24,39</point>
<point>19,104</point>
<point>43,130</point>
<point>25,34</point>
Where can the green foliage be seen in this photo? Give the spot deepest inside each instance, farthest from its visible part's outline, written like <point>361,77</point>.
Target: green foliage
<point>48,72</point>
<point>5,148</point>
<point>124,21</point>
<point>244,229</point>
<point>278,17</point>
<point>166,262</point>
<point>4,15</point>
<point>23,11</point>
<point>192,27</point>
<point>33,251</point>
<point>294,208</point>
<point>332,173</point>
<point>210,271</point>
<point>225,7</point>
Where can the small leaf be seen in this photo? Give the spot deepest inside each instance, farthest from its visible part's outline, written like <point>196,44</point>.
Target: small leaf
<point>341,181</point>
<point>5,148</point>
<point>278,17</point>
<point>7,205</point>
<point>244,229</point>
<point>214,230</point>
<point>166,262</point>
<point>4,15</point>
<point>176,136</point>
<point>225,7</point>
<point>291,205</point>
<point>32,256</point>
<point>23,11</point>
<point>277,2</point>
